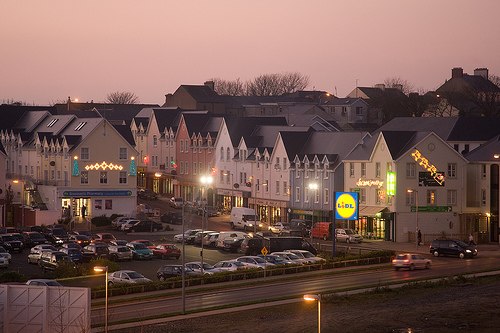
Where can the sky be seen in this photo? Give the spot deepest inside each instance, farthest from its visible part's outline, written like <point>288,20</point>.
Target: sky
<point>86,49</point>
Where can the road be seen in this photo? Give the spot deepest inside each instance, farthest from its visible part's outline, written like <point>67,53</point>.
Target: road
<point>261,290</point>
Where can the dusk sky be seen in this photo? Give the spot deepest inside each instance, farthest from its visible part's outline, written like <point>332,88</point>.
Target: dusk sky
<point>86,49</point>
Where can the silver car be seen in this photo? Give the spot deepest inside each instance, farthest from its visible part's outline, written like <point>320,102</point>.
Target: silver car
<point>126,277</point>
<point>36,252</point>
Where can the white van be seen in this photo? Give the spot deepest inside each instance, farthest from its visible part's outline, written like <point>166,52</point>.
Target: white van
<point>245,218</point>
<point>228,234</point>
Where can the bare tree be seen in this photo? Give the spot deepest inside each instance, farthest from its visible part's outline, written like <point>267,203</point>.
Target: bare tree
<point>122,97</point>
<point>276,84</point>
<point>226,87</point>
<point>495,80</point>
<point>397,82</point>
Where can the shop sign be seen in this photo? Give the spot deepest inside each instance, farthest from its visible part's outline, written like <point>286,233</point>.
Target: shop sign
<point>369,182</point>
<point>431,209</point>
<point>391,183</point>
<point>79,194</point>
<point>424,162</point>
<point>346,205</point>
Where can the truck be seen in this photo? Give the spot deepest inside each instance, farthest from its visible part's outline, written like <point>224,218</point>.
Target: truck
<point>253,246</point>
<point>245,218</point>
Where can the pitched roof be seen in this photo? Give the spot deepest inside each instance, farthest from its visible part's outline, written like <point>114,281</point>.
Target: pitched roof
<point>239,127</point>
<point>11,114</point>
<point>202,93</point>
<point>126,133</point>
<point>106,110</point>
<point>486,152</point>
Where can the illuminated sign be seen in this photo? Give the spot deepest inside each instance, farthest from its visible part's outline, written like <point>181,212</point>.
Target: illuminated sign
<point>103,166</point>
<point>369,182</point>
<point>346,205</point>
<point>391,183</point>
<point>438,176</point>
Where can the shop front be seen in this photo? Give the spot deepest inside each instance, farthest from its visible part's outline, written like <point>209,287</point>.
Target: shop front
<point>270,211</point>
<point>374,222</point>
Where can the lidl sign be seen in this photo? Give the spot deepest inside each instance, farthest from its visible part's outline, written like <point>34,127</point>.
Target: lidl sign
<point>346,205</point>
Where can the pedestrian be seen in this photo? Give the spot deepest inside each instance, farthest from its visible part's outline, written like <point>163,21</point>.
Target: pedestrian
<point>419,237</point>
<point>84,211</point>
<point>471,240</point>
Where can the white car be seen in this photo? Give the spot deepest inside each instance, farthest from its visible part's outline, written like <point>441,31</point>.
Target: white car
<point>278,227</point>
<point>411,261</point>
<point>178,238</point>
<point>5,254</point>
<point>230,265</point>
<point>307,256</point>
<point>255,262</point>
<point>117,223</point>
<point>43,283</point>
<point>125,226</point>
<point>290,256</point>
<point>207,268</point>
<point>126,277</point>
<point>36,252</point>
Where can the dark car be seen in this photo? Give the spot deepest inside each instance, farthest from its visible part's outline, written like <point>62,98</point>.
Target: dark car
<point>209,211</point>
<point>452,247</point>
<point>11,243</point>
<point>74,254</point>
<point>57,236</point>
<point>52,260</point>
<point>232,244</point>
<point>82,240</point>
<point>168,271</point>
<point>95,250</point>
<point>32,238</point>
<point>147,194</point>
<point>171,218</point>
<point>146,225</point>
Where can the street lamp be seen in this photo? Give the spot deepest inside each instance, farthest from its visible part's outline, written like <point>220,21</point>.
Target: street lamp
<point>410,190</point>
<point>313,187</point>
<point>101,269</point>
<point>16,181</point>
<point>312,297</point>
<point>205,181</point>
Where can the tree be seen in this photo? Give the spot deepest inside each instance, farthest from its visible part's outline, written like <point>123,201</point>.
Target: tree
<point>122,97</point>
<point>397,82</point>
<point>231,88</point>
<point>495,80</point>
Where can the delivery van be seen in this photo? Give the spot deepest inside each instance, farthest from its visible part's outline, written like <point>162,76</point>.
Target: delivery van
<point>245,218</point>
<point>322,230</point>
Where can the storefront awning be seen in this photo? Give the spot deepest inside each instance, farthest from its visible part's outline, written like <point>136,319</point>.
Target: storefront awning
<point>370,210</point>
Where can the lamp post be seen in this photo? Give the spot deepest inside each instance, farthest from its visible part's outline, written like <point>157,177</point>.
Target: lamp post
<point>101,269</point>
<point>313,297</point>
<point>416,214</point>
<point>16,181</point>
<point>205,181</point>
<point>313,187</point>
<point>183,262</point>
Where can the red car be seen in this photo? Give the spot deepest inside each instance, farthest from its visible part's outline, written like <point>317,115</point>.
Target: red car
<point>165,251</point>
<point>148,243</point>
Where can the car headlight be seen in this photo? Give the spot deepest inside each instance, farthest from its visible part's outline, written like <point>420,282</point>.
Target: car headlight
<point>468,251</point>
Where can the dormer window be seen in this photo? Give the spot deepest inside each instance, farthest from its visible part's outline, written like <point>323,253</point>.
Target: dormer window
<point>80,126</point>
<point>52,122</point>
<point>155,141</point>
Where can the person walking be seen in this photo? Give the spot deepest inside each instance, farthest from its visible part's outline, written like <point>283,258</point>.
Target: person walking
<point>419,237</point>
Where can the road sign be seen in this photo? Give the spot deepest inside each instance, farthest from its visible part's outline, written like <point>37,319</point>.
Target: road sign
<point>264,251</point>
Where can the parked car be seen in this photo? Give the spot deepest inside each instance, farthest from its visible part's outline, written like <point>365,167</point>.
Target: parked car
<point>307,256</point>
<point>278,227</point>
<point>168,271</point>
<point>126,277</point>
<point>290,256</point>
<point>209,211</point>
<point>254,262</point>
<point>198,237</point>
<point>74,254</point>
<point>452,247</point>
<point>71,245</point>
<point>4,262</point>
<point>411,261</point>
<point>146,226</point>
<point>165,251</point>
<point>117,222</point>
<point>8,230</point>
<point>57,236</point>
<point>171,217</point>
<point>50,260</point>
<point>119,242</point>
<point>140,251</point>
<point>119,253</point>
<point>276,260</point>
<point>146,242</point>
<point>210,240</point>
<point>36,252</point>
<point>176,202</point>
<point>146,194</point>
<point>82,240</point>
<point>230,265</point>
<point>95,251</point>
<point>5,254</point>
<point>232,245</point>
<point>223,235</point>
<point>125,226</point>
<point>207,268</point>
<point>190,232</point>
<point>348,236</point>
<point>104,237</point>
<point>43,283</point>
<point>11,243</point>
<point>32,238</point>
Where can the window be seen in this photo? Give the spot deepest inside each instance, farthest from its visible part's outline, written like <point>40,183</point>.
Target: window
<point>377,170</point>
<point>483,171</point>
<point>389,199</point>
<point>410,198</point>
<point>155,141</point>
<point>431,197</point>
<point>326,194</point>
<point>451,197</point>
<point>359,110</point>
<point>222,153</point>
<point>221,176</point>
<point>455,146</point>
<point>228,152</point>
<point>285,163</point>
<point>52,174</point>
<point>452,170</point>
<point>316,195</point>
<point>122,178</point>
<point>378,196</point>
<point>257,185</point>
<point>123,154</point>
<point>363,169</point>
<point>483,197</point>
<point>411,170</point>
<point>389,166</point>
<point>277,187</point>
<point>306,194</point>
<point>285,188</point>
<point>351,170</point>
<point>80,126</point>
<point>103,177</point>
<point>84,177</point>
<point>297,194</point>
<point>466,148</point>
<point>182,146</point>
<point>362,195</point>
<point>277,165</point>
<point>266,185</point>
<point>195,168</point>
<point>84,153</point>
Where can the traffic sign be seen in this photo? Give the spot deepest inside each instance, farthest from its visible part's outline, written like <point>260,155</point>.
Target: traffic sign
<point>264,251</point>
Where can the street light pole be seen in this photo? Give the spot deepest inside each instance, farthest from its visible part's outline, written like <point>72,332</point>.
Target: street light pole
<point>205,181</point>
<point>183,262</point>
<point>416,215</point>
<point>315,298</point>
<point>22,199</point>
<point>101,269</point>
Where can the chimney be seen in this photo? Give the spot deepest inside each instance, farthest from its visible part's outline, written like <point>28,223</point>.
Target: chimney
<point>457,72</point>
<point>210,84</point>
<point>380,86</point>
<point>167,98</point>
<point>481,72</point>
